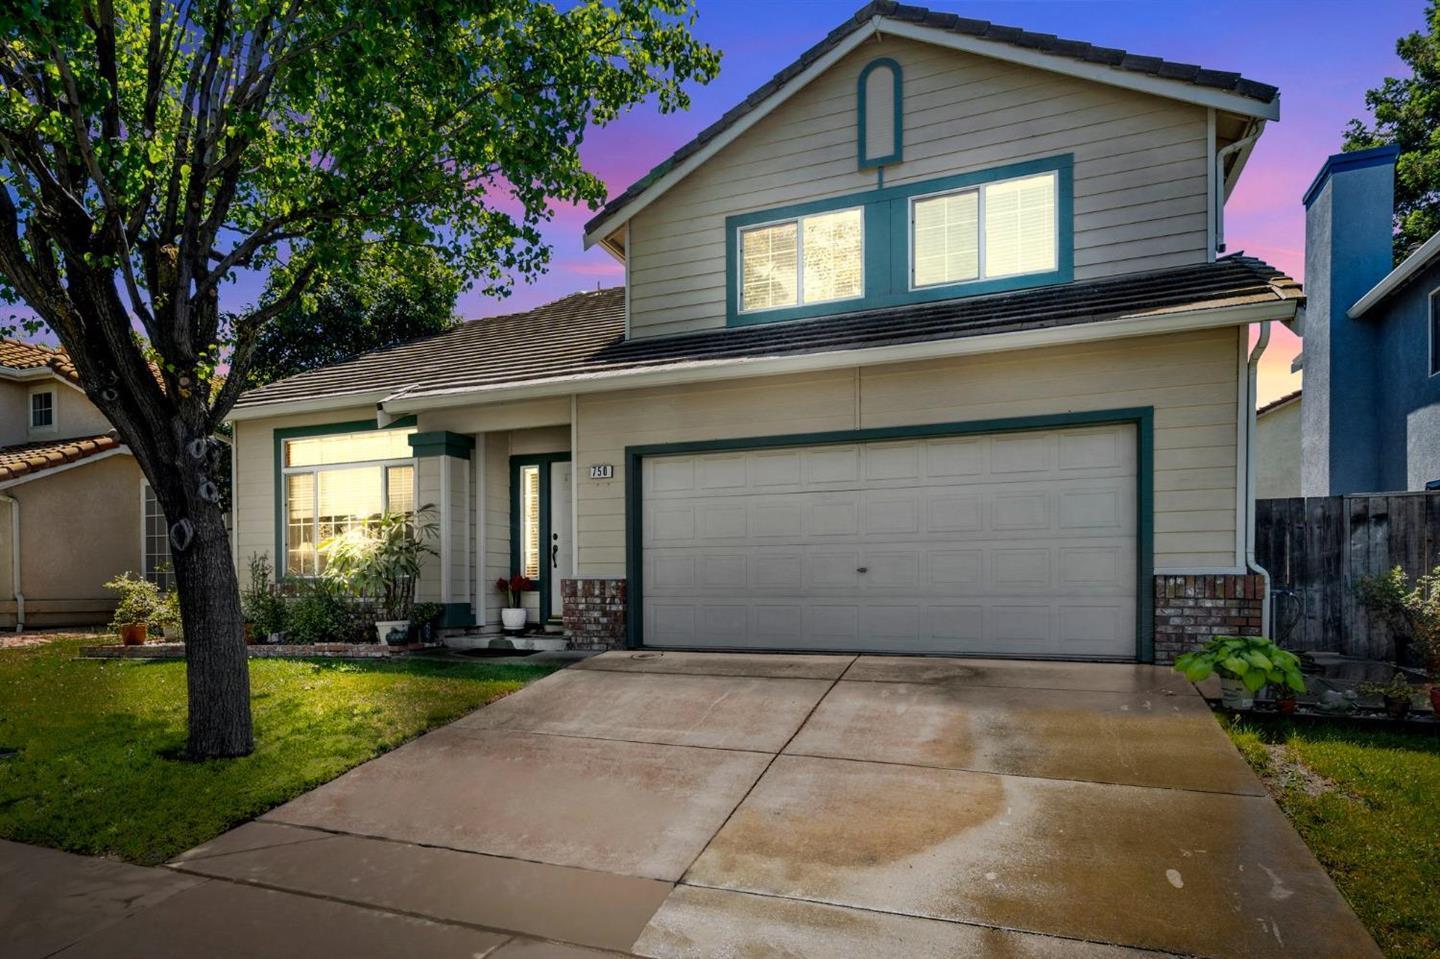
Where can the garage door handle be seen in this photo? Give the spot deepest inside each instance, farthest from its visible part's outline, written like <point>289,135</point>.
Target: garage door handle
<point>862,569</point>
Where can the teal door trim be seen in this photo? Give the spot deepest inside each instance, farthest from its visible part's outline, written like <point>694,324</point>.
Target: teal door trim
<point>544,462</point>
<point>1141,417</point>
<point>278,465</point>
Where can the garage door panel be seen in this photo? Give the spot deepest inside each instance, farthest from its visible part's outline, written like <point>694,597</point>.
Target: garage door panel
<point>1013,544</point>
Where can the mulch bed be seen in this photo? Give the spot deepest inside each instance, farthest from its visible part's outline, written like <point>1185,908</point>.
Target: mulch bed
<point>265,651</point>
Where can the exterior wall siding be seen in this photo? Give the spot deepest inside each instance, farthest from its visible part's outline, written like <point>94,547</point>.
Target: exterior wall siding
<point>1277,452</point>
<point>1189,379</point>
<point>1140,170</point>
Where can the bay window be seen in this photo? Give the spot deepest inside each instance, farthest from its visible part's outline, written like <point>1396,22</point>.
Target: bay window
<point>340,482</point>
<point>809,259</point>
<point>1006,228</point>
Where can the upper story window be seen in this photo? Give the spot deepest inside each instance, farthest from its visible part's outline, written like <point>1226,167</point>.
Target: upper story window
<point>1435,332</point>
<point>335,483</point>
<point>1001,229</point>
<point>42,410</point>
<point>809,259</point>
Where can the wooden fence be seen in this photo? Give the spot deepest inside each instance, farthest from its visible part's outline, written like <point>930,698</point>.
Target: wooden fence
<point>1316,549</point>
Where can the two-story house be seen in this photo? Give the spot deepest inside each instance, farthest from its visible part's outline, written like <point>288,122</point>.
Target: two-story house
<point>1368,420</point>
<point>925,346</point>
<point>74,507</point>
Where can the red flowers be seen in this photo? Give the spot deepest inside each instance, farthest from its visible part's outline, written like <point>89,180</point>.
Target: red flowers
<point>514,586</point>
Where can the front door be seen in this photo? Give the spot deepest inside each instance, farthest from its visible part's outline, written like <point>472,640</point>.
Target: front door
<point>540,523</point>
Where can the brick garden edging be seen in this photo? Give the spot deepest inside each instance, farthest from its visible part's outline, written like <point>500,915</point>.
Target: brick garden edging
<point>1191,609</point>
<point>594,612</point>
<point>265,651</point>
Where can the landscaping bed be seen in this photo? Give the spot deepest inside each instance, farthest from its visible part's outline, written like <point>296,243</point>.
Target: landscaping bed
<point>98,763</point>
<point>265,651</point>
<point>1365,802</point>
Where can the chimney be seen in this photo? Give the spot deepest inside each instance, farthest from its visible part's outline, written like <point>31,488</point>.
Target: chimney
<point>1348,226</point>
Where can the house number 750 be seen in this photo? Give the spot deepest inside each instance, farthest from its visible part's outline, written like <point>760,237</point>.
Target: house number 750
<point>602,471</point>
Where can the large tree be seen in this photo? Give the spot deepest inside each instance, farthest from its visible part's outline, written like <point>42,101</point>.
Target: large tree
<point>366,308</point>
<point>150,148</point>
<point>1406,112</point>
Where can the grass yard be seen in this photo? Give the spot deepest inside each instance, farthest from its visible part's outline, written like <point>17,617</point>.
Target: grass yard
<point>95,771</point>
<point>1368,806</point>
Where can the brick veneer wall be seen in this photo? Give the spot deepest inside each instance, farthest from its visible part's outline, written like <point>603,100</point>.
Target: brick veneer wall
<point>1191,609</point>
<point>594,612</point>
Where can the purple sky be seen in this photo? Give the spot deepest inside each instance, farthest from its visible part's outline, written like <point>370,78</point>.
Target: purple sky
<point>1321,55</point>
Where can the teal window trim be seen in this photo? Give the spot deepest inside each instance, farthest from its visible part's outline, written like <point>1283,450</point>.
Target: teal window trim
<point>543,461</point>
<point>456,445</point>
<point>284,433</point>
<point>897,147</point>
<point>887,244</point>
<point>1141,417</point>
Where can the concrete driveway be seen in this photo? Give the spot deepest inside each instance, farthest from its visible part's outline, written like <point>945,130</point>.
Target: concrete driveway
<point>706,805</point>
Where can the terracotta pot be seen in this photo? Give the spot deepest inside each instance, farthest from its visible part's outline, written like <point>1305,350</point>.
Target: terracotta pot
<point>1396,707</point>
<point>133,634</point>
<point>1286,705</point>
<point>250,639</point>
<point>1435,698</point>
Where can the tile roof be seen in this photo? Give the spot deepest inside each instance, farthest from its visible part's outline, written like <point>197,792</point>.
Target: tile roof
<point>18,355</point>
<point>30,458</point>
<point>584,334</point>
<point>1047,43</point>
<point>1275,404</point>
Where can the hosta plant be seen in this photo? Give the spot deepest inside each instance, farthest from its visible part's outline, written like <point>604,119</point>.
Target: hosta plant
<point>1252,660</point>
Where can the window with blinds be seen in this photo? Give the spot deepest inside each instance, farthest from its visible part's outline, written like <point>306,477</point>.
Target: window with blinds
<point>996,230</point>
<point>811,259</point>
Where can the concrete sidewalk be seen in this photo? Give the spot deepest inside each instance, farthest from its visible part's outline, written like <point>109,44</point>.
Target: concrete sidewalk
<point>699,805</point>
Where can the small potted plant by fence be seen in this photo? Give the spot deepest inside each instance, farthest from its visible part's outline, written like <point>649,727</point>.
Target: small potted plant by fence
<point>379,563</point>
<point>1397,694</point>
<point>424,619</point>
<point>138,601</point>
<point>1245,664</point>
<point>512,617</point>
<point>1413,611</point>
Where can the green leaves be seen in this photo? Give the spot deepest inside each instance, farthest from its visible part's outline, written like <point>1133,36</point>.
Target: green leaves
<point>1255,661</point>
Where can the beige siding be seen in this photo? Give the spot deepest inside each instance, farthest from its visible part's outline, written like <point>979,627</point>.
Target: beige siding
<point>1140,170</point>
<point>1189,379</point>
<point>78,528</point>
<point>1277,452</point>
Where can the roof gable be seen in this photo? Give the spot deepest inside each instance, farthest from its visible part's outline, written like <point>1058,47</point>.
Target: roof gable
<point>1179,81</point>
<point>16,355</point>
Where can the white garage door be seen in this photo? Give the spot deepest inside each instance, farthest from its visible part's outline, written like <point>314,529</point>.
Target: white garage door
<point>1019,544</point>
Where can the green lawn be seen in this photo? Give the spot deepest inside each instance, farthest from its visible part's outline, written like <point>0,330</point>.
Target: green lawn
<point>1368,805</point>
<point>96,771</point>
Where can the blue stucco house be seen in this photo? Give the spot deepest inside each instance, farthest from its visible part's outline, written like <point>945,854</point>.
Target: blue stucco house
<point>1370,419</point>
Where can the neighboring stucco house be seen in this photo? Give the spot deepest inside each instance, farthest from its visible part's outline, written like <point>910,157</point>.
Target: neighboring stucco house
<point>925,346</point>
<point>1371,414</point>
<point>74,508</point>
<point>1277,447</point>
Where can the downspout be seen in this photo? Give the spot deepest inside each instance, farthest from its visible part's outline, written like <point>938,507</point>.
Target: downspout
<point>1251,564</point>
<point>15,560</point>
<point>1221,156</point>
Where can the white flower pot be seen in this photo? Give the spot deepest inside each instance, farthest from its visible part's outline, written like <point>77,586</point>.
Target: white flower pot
<point>393,632</point>
<point>1234,695</point>
<point>512,618</point>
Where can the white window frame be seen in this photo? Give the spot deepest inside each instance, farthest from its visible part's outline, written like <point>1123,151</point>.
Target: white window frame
<point>282,563</point>
<point>54,425</point>
<point>979,190</point>
<point>799,222</point>
<point>145,536</point>
<point>1432,318</point>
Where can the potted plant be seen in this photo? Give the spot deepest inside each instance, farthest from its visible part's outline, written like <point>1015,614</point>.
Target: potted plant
<point>1245,664</point>
<point>1413,612</point>
<point>1397,694</point>
<point>379,563</point>
<point>512,617</point>
<point>166,617</point>
<point>135,608</point>
<point>423,619</point>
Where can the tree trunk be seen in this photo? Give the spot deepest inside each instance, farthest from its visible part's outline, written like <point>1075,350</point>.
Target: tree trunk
<point>217,665</point>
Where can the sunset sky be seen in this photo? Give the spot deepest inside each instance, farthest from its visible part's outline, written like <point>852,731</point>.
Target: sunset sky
<point>1321,55</point>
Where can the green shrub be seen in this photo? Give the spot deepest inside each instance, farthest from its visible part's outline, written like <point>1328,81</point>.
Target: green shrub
<point>1413,611</point>
<point>321,612</point>
<point>1255,661</point>
<point>166,617</point>
<point>139,598</point>
<point>263,606</point>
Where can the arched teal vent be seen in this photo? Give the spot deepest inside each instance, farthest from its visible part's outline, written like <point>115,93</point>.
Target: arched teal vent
<point>879,113</point>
